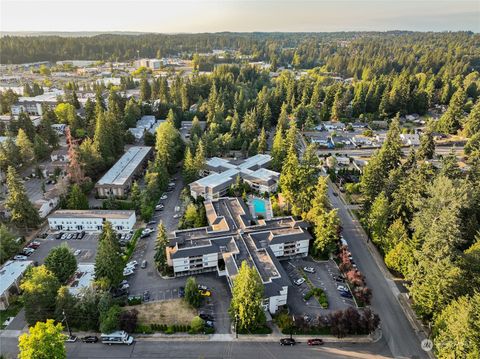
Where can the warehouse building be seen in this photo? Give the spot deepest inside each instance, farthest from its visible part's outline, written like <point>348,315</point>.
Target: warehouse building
<point>91,220</point>
<point>118,180</point>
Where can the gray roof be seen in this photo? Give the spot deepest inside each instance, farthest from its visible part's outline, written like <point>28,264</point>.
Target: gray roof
<point>121,171</point>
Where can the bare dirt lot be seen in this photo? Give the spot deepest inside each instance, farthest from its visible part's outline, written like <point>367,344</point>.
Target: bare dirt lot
<point>174,311</point>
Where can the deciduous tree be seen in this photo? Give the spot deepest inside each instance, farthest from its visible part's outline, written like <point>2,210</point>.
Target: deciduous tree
<point>43,341</point>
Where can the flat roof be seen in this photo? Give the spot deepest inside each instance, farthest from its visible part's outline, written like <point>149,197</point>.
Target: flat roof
<point>83,277</point>
<point>10,272</point>
<point>122,170</point>
<point>92,213</point>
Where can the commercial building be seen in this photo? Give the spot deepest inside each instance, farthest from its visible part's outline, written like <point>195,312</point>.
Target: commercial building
<point>33,105</point>
<point>10,275</point>
<point>221,174</point>
<point>118,180</point>
<point>91,220</point>
<point>153,64</point>
<point>233,237</point>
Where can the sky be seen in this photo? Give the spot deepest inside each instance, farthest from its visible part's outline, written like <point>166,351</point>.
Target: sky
<point>238,15</point>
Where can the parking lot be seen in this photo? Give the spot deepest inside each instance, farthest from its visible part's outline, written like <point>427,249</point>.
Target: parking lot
<point>322,278</point>
<point>87,247</point>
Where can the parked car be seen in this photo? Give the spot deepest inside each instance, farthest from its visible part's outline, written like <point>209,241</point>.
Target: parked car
<point>144,264</point>
<point>124,286</point>
<point>81,235</point>
<point>127,272</point>
<point>338,279</point>
<point>287,341</point>
<point>151,223</point>
<point>209,323</point>
<point>309,269</point>
<point>342,288</point>
<point>205,293</point>
<point>34,244</point>
<point>27,251</point>
<point>177,215</point>
<point>123,282</point>
<point>90,339</point>
<point>159,207</point>
<point>74,235</point>
<point>164,197</point>
<point>202,287</point>
<point>59,235</point>
<point>299,281</point>
<point>316,341</point>
<point>71,339</point>
<point>146,296</point>
<point>181,292</point>
<point>69,236</point>
<point>132,264</point>
<point>64,236</point>
<point>345,294</point>
<point>20,257</point>
<point>206,316</point>
<point>77,252</point>
<point>171,184</point>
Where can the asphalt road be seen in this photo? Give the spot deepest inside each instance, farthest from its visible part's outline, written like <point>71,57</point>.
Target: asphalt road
<point>397,330</point>
<point>215,350</point>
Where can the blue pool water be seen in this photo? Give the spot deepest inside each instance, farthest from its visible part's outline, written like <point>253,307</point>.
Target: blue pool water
<point>259,206</point>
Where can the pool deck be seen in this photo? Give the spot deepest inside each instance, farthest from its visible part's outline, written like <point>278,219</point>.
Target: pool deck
<point>268,207</point>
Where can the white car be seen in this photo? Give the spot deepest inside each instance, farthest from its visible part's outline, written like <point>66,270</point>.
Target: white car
<point>28,250</point>
<point>299,281</point>
<point>164,197</point>
<point>177,215</point>
<point>125,286</point>
<point>309,269</point>
<point>132,264</point>
<point>77,252</point>
<point>128,271</point>
<point>147,231</point>
<point>20,257</point>
<point>342,288</point>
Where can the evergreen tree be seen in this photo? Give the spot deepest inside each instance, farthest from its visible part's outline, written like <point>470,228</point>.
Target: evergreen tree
<point>161,245</point>
<point>378,219</point>
<point>278,152</point>
<point>22,211</point>
<point>40,149</point>
<point>77,198</point>
<point>262,142</point>
<point>247,298</point>
<point>427,145</point>
<point>145,90</point>
<point>450,120</point>
<point>75,171</point>
<point>289,181</point>
<point>472,123</point>
<point>61,262</point>
<point>25,146</point>
<point>108,263</point>
<point>189,168</point>
<point>8,244</point>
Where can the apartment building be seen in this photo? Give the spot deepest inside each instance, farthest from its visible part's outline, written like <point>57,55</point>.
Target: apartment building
<point>91,220</point>
<point>221,173</point>
<point>232,237</point>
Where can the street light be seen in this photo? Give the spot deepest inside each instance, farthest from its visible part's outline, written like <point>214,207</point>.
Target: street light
<point>291,327</point>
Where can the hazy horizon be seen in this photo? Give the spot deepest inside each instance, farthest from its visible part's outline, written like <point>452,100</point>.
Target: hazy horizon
<point>199,16</point>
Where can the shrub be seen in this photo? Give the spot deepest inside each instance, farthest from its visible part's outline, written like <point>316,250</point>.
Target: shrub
<point>143,329</point>
<point>170,330</point>
<point>197,325</point>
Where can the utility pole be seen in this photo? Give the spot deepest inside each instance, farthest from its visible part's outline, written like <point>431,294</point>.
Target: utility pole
<point>236,326</point>
<point>66,323</point>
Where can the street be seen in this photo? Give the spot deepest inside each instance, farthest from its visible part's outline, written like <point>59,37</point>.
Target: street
<point>216,350</point>
<point>397,330</point>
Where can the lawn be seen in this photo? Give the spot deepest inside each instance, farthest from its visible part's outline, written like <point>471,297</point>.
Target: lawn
<point>11,311</point>
<point>169,312</point>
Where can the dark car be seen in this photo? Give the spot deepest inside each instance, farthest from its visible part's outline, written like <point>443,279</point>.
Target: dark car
<point>338,279</point>
<point>206,316</point>
<point>287,341</point>
<point>181,292</point>
<point>151,223</point>
<point>90,339</point>
<point>119,292</point>
<point>209,324</point>
<point>59,235</point>
<point>146,296</point>
<point>345,294</point>
<point>316,341</point>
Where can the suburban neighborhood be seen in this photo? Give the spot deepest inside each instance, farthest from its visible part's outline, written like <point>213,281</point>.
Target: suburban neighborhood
<point>240,194</point>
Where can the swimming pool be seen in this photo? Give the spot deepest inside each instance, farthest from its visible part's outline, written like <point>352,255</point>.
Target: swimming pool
<point>259,206</point>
